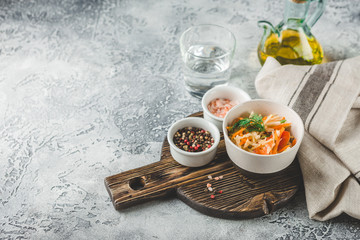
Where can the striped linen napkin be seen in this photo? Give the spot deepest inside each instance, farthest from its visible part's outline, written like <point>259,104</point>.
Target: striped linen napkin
<point>326,97</point>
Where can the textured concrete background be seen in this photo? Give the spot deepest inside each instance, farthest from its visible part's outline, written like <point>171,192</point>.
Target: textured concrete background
<point>89,88</point>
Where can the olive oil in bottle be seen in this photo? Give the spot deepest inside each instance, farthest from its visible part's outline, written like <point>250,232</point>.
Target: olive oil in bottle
<point>291,47</point>
<point>291,41</point>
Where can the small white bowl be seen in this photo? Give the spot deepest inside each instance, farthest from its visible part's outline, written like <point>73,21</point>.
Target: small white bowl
<point>193,159</point>
<point>232,93</point>
<point>256,163</point>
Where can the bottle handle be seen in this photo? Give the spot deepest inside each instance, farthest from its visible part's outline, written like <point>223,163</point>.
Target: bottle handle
<point>320,8</point>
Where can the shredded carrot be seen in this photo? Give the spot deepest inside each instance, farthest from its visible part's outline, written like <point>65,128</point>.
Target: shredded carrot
<point>262,135</point>
<point>283,149</point>
<point>237,133</point>
<point>277,141</point>
<point>243,141</point>
<point>261,150</point>
<point>285,137</point>
<point>284,125</point>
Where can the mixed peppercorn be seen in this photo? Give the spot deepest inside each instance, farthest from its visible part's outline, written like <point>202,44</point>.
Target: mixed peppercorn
<point>210,187</point>
<point>193,139</point>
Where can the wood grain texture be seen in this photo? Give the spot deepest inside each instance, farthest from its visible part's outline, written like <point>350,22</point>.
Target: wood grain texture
<point>242,197</point>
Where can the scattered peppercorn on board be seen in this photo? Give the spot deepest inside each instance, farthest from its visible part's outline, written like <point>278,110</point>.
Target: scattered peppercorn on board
<point>217,189</point>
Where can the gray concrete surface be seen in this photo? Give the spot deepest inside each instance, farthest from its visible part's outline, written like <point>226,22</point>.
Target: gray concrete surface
<point>89,88</point>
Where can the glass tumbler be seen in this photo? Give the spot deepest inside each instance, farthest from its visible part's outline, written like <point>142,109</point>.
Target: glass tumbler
<point>207,51</point>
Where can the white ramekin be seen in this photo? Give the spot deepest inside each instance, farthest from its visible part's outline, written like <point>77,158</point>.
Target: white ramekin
<point>193,159</point>
<point>256,163</point>
<point>229,92</point>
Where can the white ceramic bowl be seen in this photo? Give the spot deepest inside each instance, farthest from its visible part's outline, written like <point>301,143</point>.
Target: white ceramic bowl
<point>193,159</point>
<point>229,92</point>
<point>256,163</point>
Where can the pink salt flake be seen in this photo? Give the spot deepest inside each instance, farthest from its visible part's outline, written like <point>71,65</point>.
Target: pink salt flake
<point>220,106</point>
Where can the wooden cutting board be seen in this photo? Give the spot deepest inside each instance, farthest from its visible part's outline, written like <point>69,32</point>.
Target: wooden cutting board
<point>242,196</point>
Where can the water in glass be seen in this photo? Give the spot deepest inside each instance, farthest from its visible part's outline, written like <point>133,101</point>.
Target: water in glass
<point>205,67</point>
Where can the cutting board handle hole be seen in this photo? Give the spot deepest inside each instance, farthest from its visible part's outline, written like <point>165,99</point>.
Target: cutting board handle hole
<point>137,183</point>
